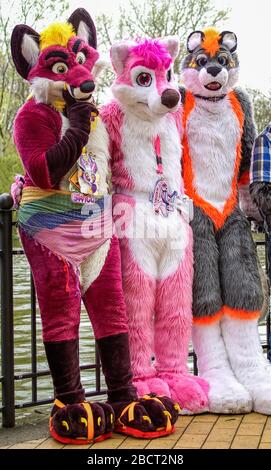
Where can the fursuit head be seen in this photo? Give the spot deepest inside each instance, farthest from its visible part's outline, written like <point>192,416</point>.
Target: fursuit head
<point>63,56</point>
<point>144,126</point>
<point>211,66</point>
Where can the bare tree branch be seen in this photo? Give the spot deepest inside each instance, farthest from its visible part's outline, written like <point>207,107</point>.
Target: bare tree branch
<point>157,18</point>
<point>13,89</point>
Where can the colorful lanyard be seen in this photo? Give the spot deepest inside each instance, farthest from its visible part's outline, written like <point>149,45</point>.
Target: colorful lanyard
<point>157,149</point>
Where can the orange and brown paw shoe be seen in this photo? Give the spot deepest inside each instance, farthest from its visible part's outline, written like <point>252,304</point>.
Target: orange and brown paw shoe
<point>147,418</point>
<point>81,423</point>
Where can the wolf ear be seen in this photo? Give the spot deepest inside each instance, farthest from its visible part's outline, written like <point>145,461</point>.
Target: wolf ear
<point>119,53</point>
<point>172,44</point>
<point>24,48</point>
<point>194,40</point>
<point>228,39</point>
<point>84,26</point>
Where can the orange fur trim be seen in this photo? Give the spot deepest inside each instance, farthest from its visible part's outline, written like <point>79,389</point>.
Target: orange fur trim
<point>241,314</point>
<point>215,215</point>
<point>210,42</point>
<point>208,320</point>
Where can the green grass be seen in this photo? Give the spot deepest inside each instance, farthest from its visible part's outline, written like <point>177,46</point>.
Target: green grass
<point>10,165</point>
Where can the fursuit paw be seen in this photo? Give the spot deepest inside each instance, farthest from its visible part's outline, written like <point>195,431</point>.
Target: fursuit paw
<point>262,400</point>
<point>226,395</point>
<point>81,423</point>
<point>160,407</point>
<point>158,386</point>
<point>148,418</point>
<point>141,386</point>
<point>188,391</point>
<point>257,381</point>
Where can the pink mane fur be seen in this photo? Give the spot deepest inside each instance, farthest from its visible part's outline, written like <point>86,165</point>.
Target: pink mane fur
<point>153,53</point>
<point>150,53</point>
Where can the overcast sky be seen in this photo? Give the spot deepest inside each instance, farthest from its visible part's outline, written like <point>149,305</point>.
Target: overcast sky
<point>249,19</point>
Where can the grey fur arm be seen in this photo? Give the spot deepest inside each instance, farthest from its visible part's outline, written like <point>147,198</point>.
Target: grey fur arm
<point>249,130</point>
<point>246,202</point>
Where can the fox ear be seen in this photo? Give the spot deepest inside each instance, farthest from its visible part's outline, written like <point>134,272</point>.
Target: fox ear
<point>194,40</point>
<point>228,39</point>
<point>84,26</point>
<point>24,48</point>
<point>172,44</point>
<point>119,53</point>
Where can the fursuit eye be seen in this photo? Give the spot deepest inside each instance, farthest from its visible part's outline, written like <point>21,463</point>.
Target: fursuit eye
<point>144,79</point>
<point>80,58</point>
<point>60,67</point>
<point>201,60</point>
<point>223,60</point>
<point>169,74</point>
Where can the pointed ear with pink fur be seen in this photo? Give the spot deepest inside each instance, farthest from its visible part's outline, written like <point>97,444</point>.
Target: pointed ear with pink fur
<point>172,44</point>
<point>119,53</point>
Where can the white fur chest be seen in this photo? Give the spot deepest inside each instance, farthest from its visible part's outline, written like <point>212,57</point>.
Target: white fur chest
<point>139,154</point>
<point>213,134</point>
<point>158,243</point>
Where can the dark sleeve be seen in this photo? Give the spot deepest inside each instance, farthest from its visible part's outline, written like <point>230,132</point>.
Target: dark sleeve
<point>260,185</point>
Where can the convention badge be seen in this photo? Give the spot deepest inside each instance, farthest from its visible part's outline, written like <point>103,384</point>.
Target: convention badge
<point>162,200</point>
<point>80,198</point>
<point>74,183</point>
<point>88,176</point>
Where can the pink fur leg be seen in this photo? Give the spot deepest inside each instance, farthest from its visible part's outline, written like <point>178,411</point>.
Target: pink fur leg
<point>139,292</point>
<point>173,333</point>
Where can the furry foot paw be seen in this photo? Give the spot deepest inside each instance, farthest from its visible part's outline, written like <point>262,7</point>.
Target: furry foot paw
<point>141,386</point>
<point>159,387</point>
<point>257,381</point>
<point>262,399</point>
<point>228,396</point>
<point>150,417</point>
<point>81,423</point>
<point>187,391</point>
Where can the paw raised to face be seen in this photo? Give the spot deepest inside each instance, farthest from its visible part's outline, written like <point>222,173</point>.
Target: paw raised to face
<point>211,66</point>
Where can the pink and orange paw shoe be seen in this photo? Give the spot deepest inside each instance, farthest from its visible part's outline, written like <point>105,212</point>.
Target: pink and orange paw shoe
<point>149,417</point>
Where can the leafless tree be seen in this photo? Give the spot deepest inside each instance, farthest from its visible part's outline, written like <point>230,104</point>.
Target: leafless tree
<point>13,89</point>
<point>156,18</point>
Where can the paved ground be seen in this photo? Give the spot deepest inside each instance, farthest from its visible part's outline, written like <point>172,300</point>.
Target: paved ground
<point>206,431</point>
